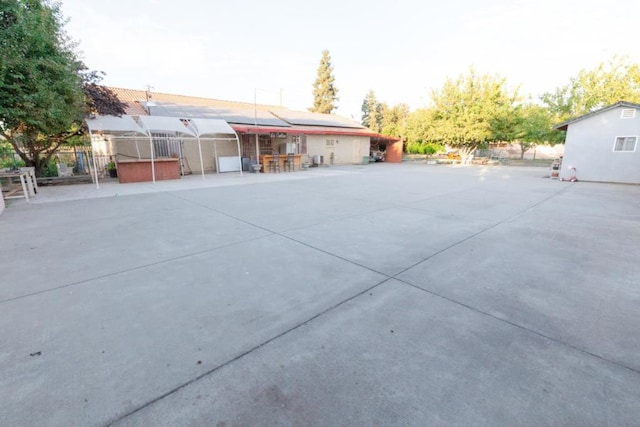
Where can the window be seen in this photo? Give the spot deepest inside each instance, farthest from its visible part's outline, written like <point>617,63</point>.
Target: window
<point>628,113</point>
<point>165,145</point>
<point>625,143</point>
<point>265,145</point>
<point>331,143</point>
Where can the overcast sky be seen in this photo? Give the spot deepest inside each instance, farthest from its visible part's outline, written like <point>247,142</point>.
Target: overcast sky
<point>401,49</point>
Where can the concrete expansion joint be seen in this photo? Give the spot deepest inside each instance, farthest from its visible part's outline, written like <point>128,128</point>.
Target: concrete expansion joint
<point>246,353</point>
<point>524,328</point>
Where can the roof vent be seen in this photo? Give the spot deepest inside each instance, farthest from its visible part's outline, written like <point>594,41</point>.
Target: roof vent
<point>628,113</point>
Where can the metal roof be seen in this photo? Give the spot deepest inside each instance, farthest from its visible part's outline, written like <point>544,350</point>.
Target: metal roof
<point>304,118</point>
<point>231,115</point>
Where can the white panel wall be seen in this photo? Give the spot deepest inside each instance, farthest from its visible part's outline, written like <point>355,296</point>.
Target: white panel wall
<point>345,149</point>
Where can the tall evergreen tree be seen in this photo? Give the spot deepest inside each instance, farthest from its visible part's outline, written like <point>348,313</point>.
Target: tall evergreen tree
<point>371,110</point>
<point>324,91</point>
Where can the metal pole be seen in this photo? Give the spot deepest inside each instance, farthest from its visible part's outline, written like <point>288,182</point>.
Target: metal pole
<point>153,167</point>
<point>201,162</point>
<point>255,122</point>
<point>239,152</point>
<point>215,153</point>
<point>93,155</point>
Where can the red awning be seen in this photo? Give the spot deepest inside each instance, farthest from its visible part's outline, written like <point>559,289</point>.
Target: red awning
<point>261,129</point>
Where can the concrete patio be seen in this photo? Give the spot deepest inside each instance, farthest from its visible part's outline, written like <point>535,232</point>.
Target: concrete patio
<point>387,294</point>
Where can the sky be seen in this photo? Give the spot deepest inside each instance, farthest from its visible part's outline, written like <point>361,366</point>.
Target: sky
<point>269,51</point>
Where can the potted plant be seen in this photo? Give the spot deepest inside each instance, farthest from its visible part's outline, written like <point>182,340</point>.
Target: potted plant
<point>111,167</point>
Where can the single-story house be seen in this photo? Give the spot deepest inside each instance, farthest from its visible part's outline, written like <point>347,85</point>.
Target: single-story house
<point>603,145</point>
<point>261,129</point>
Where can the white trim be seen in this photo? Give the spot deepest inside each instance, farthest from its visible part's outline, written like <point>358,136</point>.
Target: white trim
<point>628,113</point>
<point>635,143</point>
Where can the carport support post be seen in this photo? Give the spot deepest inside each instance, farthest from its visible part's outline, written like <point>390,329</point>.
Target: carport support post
<point>153,167</point>
<point>257,148</point>
<point>93,156</point>
<point>239,152</point>
<point>215,153</point>
<point>201,162</point>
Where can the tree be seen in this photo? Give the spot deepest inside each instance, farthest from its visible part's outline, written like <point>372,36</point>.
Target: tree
<point>466,112</point>
<point>534,126</point>
<point>619,80</point>
<point>46,90</point>
<point>325,94</point>
<point>393,121</point>
<point>371,116</point>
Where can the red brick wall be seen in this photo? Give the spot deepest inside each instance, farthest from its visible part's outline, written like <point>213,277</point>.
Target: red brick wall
<point>141,171</point>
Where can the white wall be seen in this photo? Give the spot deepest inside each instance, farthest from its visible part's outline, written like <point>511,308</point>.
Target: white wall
<point>589,148</point>
<point>345,149</point>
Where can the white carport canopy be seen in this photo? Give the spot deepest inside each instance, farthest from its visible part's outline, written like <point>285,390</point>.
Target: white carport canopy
<point>159,124</point>
<point>127,127</point>
<point>122,127</point>
<point>215,129</point>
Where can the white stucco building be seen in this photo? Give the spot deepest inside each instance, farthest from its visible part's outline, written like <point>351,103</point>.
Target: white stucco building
<point>603,145</point>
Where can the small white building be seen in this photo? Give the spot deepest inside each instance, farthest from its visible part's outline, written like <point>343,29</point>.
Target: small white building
<point>603,145</point>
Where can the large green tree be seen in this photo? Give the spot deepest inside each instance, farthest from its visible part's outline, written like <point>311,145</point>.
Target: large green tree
<point>606,84</point>
<point>534,126</point>
<point>393,120</point>
<point>45,90</point>
<point>466,112</point>
<point>325,93</point>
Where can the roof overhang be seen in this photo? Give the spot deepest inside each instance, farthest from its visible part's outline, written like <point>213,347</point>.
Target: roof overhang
<point>565,125</point>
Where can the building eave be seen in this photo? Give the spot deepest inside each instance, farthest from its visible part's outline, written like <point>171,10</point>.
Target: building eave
<point>565,125</point>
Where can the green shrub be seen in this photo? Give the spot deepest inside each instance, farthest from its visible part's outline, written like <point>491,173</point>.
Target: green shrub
<point>428,148</point>
<point>50,169</point>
